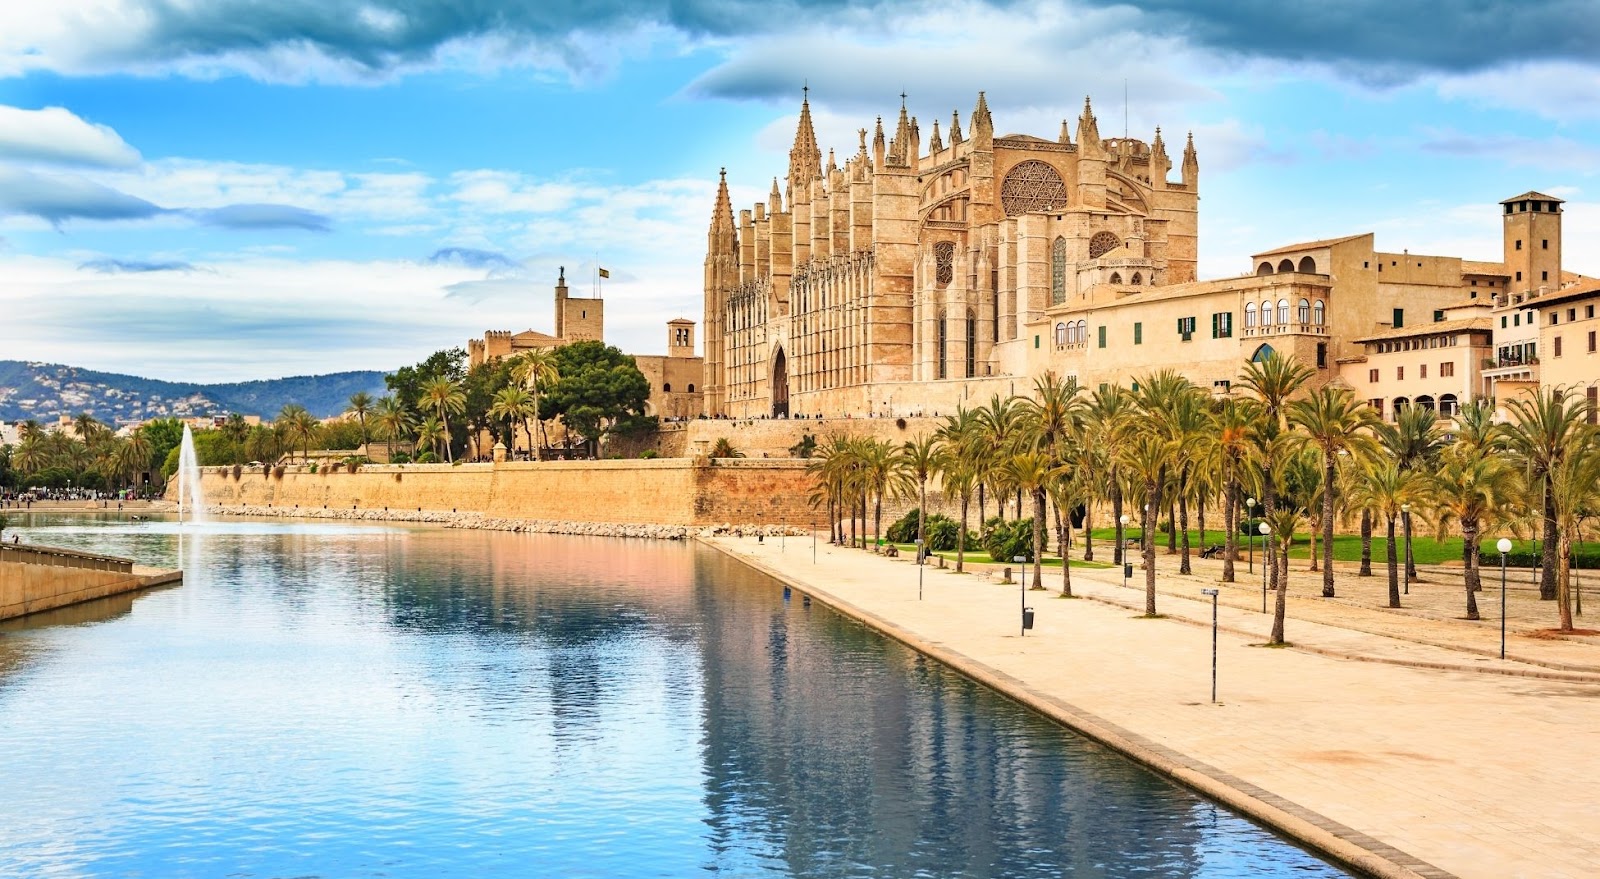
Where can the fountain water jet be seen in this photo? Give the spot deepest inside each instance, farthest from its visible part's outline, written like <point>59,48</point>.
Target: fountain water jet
<point>191,497</point>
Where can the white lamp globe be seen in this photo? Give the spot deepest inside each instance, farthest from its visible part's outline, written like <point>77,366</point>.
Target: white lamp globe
<point>1264,528</point>
<point>1503,545</point>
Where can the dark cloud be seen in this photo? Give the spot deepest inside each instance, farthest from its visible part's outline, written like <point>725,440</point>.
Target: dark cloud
<point>109,266</point>
<point>1367,38</point>
<point>472,259</point>
<point>262,216</point>
<point>61,198</point>
<point>1378,39</point>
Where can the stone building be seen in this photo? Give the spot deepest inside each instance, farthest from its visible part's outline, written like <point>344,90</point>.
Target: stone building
<point>916,278</point>
<point>675,378</point>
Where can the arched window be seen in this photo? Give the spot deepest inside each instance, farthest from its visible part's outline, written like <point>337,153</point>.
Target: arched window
<point>1318,313</point>
<point>1058,271</point>
<point>1061,334</point>
<point>1308,265</point>
<point>1249,314</point>
<point>1083,331</point>
<point>691,389</point>
<point>1262,354</point>
<point>1425,402</point>
<point>1399,404</point>
<point>1448,405</point>
<point>1116,277</point>
<point>1286,266</point>
<point>944,263</point>
<point>1266,314</point>
<point>1102,243</point>
<point>1136,279</point>
<point>944,343</point>
<point>666,388</point>
<point>1303,313</point>
<point>1283,311</point>
<point>1264,269</point>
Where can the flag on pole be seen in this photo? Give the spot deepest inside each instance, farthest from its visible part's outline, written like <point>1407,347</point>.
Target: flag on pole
<point>604,273</point>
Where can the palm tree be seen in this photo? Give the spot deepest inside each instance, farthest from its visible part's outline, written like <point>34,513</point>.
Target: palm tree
<point>1544,432</point>
<point>1471,489</point>
<point>429,432</point>
<point>1046,422</point>
<point>997,428</point>
<point>1273,380</point>
<point>130,458</point>
<point>1388,489</point>
<point>394,422</point>
<point>924,458</point>
<point>962,471</point>
<point>1575,485</point>
<point>446,399</point>
<point>1068,487</point>
<point>1190,422</point>
<point>533,369</point>
<point>236,429</point>
<point>86,426</point>
<point>1283,521</point>
<point>360,404</point>
<point>299,423</point>
<point>884,473</point>
<point>1110,412</point>
<point>1415,440</point>
<point>1145,457</point>
<point>829,467</point>
<point>1029,472</point>
<point>1235,427</point>
<point>514,406</point>
<point>1335,422</point>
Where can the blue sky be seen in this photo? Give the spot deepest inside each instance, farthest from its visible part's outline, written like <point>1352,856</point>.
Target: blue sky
<point>224,189</point>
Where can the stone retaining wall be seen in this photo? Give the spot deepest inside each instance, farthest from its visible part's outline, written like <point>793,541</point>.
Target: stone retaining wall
<point>37,578</point>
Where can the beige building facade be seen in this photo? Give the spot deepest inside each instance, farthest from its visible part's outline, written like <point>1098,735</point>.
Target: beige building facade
<point>918,277</point>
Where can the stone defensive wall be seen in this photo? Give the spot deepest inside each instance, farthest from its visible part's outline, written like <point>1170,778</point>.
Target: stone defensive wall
<point>680,491</point>
<point>38,578</point>
<point>774,437</point>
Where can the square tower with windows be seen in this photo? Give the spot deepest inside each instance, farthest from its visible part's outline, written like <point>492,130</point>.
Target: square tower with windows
<point>1533,241</point>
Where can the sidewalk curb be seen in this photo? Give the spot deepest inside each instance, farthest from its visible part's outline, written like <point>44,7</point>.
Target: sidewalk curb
<point>1344,845</point>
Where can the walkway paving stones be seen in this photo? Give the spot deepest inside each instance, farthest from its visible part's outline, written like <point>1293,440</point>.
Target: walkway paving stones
<point>1387,738</point>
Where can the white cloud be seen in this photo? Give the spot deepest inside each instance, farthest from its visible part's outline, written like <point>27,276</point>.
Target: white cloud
<point>1558,90</point>
<point>57,135</point>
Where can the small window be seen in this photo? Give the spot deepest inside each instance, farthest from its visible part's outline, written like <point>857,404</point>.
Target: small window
<point>1318,313</point>
<point>1322,355</point>
<point>1249,314</point>
<point>1502,321</point>
<point>1554,318</point>
<point>1519,276</point>
<point>1366,264</point>
<point>1544,276</point>
<point>691,389</point>
<point>1516,319</point>
<point>666,388</point>
<point>1544,244</point>
<point>1519,243</point>
<point>1138,333</point>
<point>1372,376</point>
<point>1447,370</point>
<point>1588,311</point>
<point>1400,373</point>
<point>1303,313</point>
<point>1438,315</point>
<point>1422,371</point>
<point>1102,337</point>
<point>1061,334</point>
<point>1399,320</point>
<point>1572,315</point>
<point>1036,340</point>
<point>1557,351</point>
<point>1591,341</point>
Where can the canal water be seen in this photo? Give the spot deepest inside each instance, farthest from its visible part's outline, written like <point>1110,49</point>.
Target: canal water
<point>363,701</point>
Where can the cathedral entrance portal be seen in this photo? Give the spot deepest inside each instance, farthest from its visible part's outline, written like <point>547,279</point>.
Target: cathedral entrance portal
<point>780,385</point>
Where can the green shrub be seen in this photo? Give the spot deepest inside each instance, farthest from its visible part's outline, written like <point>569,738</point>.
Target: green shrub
<point>1007,540</point>
<point>943,533</point>
<point>648,454</point>
<point>904,529</point>
<point>427,458</point>
<point>400,458</point>
<point>1587,561</point>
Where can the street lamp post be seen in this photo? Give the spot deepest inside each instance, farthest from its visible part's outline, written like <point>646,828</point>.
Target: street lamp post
<point>1405,514</point>
<point>1213,594</point>
<point>1122,551</point>
<point>1265,530</point>
<point>1504,546</point>
<point>1022,578</point>
<point>813,540</point>
<point>1250,510</point>
<point>919,569</point>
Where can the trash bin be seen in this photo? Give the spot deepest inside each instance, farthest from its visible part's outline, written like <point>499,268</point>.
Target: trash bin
<point>1027,618</point>
<point>1127,570</point>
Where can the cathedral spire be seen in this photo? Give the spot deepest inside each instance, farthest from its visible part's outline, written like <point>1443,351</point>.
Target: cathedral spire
<point>775,199</point>
<point>982,125</point>
<point>902,135</point>
<point>935,144</point>
<point>1066,134</point>
<point>1191,164</point>
<point>1088,129</point>
<point>1160,164</point>
<point>722,211</point>
<point>877,147</point>
<point>805,158</point>
<point>955,127</point>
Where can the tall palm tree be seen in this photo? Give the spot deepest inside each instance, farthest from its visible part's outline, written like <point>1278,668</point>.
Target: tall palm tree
<point>1190,425</point>
<point>299,424</point>
<point>1283,520</point>
<point>237,430</point>
<point>1385,487</point>
<point>394,422</point>
<point>1334,422</point>
<point>1273,380</point>
<point>1110,413</point>
<point>1144,457</point>
<point>429,432</point>
<point>1235,426</point>
<point>1029,472</point>
<point>514,406</point>
<point>445,398</point>
<point>1414,439</point>
<point>960,436</point>
<point>1046,422</point>
<point>885,472</point>
<point>1575,485</point>
<point>924,458</point>
<point>86,426</point>
<point>1543,432</point>
<point>829,468</point>
<point>998,425</point>
<point>1471,489</point>
<point>536,369</point>
<point>359,405</point>
<point>130,458</point>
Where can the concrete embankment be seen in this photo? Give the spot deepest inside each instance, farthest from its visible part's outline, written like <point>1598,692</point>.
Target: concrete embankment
<point>1393,771</point>
<point>39,578</point>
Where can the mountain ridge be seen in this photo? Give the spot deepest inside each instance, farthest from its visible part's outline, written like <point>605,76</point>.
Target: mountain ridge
<point>45,391</point>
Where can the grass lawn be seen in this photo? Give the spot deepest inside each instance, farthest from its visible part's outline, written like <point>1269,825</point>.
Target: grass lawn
<point>1347,547</point>
<point>980,555</point>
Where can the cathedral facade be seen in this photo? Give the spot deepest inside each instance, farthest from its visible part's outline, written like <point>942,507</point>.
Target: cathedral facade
<point>911,278</point>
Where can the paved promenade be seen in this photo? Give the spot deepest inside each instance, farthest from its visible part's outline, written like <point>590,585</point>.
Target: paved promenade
<point>1395,740</point>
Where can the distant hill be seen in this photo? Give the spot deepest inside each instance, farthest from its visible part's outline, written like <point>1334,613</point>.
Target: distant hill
<point>47,390</point>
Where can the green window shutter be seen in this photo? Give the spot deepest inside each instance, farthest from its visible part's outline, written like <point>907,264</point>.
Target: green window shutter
<point>1035,341</point>
<point>1138,333</point>
<point>1102,336</point>
<point>1214,322</point>
<point>1399,318</point>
